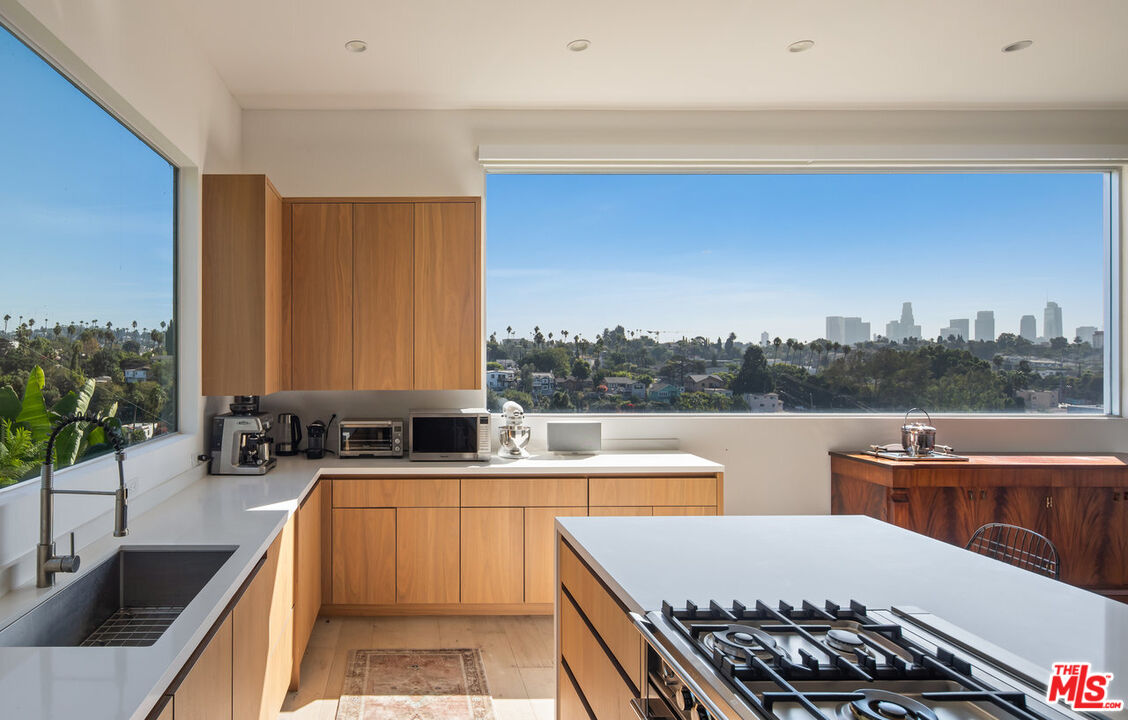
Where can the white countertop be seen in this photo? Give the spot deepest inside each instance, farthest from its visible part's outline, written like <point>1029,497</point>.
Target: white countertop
<point>793,558</point>
<point>246,511</point>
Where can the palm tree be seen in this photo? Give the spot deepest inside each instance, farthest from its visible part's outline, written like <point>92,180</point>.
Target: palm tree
<point>509,330</point>
<point>6,319</point>
<point>776,343</point>
<point>71,329</point>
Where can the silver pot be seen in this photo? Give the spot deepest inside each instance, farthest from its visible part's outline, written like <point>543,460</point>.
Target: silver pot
<point>916,437</point>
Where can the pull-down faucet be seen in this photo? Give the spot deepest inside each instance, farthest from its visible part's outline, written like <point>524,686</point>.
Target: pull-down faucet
<point>47,562</point>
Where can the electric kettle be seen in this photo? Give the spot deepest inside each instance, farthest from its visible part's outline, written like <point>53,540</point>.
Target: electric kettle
<point>290,432</point>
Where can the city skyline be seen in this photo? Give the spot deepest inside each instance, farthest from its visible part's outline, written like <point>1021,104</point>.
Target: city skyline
<point>712,254</point>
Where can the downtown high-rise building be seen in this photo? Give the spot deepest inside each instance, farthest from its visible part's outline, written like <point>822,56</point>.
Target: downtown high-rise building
<point>905,328</point>
<point>847,330</point>
<point>958,328</point>
<point>1028,328</point>
<point>1086,333</point>
<point>1051,324</point>
<point>985,325</point>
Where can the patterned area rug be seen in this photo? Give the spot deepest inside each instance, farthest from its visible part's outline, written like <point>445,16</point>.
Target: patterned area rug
<point>415,685</point>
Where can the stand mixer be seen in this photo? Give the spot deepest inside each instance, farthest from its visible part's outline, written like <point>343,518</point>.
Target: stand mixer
<point>514,433</point>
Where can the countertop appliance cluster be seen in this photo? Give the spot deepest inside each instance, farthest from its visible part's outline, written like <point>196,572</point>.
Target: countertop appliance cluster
<point>826,662</point>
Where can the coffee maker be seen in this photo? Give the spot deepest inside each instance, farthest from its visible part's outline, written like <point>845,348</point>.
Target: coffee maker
<point>240,444</point>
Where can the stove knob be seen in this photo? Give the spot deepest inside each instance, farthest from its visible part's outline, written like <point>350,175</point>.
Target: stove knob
<point>687,699</point>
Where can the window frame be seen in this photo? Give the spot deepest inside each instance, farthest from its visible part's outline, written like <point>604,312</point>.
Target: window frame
<point>176,433</point>
<point>506,160</point>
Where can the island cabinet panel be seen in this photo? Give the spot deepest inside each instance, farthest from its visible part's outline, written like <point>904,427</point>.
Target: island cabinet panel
<point>307,574</point>
<point>493,555</point>
<point>364,556</point>
<point>596,675</point>
<point>395,492</point>
<point>1078,502</point>
<point>525,492</point>
<point>383,250</point>
<point>322,296</point>
<point>665,491</point>
<point>164,710</point>
<point>540,551</point>
<point>569,704</point>
<point>205,691</point>
<point>448,296</point>
<point>427,555</point>
<point>245,298</point>
<point>608,619</point>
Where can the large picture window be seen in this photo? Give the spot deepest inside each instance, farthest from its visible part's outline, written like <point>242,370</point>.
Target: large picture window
<point>802,292</point>
<point>87,307</point>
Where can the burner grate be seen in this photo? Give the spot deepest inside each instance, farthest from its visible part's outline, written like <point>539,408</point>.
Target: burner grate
<point>770,664</point>
<point>133,627</point>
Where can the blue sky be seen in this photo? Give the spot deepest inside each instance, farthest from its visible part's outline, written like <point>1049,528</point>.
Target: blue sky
<point>710,254</point>
<point>86,209</point>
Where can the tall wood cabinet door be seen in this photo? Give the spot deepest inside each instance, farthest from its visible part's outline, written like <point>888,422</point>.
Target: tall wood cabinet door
<point>1089,543</point>
<point>322,297</point>
<point>427,555</point>
<point>493,555</point>
<point>205,692</point>
<point>540,550</point>
<point>448,296</point>
<point>364,556</point>
<point>307,575</point>
<point>383,327</point>
<point>251,642</point>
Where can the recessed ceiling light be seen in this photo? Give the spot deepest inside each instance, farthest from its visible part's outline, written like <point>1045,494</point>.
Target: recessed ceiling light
<point>801,46</point>
<point>1016,46</point>
<point>356,46</point>
<point>579,45</point>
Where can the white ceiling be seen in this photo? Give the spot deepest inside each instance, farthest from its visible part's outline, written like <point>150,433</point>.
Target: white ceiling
<point>669,54</point>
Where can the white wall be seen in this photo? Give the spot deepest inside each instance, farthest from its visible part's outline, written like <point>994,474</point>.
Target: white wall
<point>134,57</point>
<point>775,464</point>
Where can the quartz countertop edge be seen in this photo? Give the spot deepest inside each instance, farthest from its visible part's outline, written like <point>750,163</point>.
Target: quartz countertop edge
<point>243,511</point>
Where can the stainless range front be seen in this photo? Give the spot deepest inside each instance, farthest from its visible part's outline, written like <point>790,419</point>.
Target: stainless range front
<point>825,662</point>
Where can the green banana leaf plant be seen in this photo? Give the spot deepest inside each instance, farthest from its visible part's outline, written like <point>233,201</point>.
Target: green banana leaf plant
<point>25,425</point>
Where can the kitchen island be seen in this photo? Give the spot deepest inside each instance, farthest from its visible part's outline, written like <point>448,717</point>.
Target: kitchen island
<point>637,563</point>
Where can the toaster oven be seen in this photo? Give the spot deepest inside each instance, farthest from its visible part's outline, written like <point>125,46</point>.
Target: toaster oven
<point>371,438</point>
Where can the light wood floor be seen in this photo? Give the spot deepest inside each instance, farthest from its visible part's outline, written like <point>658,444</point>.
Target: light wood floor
<point>517,653</point>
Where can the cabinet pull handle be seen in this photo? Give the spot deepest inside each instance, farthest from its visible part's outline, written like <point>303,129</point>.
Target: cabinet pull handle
<point>970,494</point>
<point>1049,501</point>
<point>982,494</point>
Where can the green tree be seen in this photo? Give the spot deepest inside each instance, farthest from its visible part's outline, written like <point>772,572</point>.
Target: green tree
<point>581,369</point>
<point>753,376</point>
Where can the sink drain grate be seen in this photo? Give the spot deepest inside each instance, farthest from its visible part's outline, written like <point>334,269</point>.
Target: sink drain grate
<point>133,627</point>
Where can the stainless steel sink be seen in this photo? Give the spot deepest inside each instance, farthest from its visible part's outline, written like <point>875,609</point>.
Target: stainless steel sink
<point>128,600</point>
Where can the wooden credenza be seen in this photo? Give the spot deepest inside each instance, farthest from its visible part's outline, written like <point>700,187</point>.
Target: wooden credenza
<point>1080,502</point>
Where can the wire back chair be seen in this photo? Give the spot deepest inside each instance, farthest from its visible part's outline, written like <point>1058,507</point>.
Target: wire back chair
<point>1017,546</point>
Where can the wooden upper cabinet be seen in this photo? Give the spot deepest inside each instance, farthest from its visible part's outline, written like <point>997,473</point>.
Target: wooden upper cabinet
<point>448,296</point>
<point>245,300</point>
<point>322,296</point>
<point>383,250</point>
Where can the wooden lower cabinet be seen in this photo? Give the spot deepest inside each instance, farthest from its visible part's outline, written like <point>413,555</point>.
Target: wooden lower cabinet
<point>569,706</point>
<point>165,711</point>
<point>427,555</point>
<point>590,619</point>
<point>205,692</point>
<point>540,551</point>
<point>364,556</point>
<point>261,620</point>
<point>307,575</point>
<point>492,555</point>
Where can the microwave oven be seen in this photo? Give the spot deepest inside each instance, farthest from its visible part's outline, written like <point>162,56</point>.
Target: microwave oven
<point>448,435</point>
<point>371,438</point>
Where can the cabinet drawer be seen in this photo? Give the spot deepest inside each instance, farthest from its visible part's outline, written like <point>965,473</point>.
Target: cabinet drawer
<point>396,492</point>
<point>625,491</point>
<point>524,492</point>
<point>606,691</point>
<point>605,615</point>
